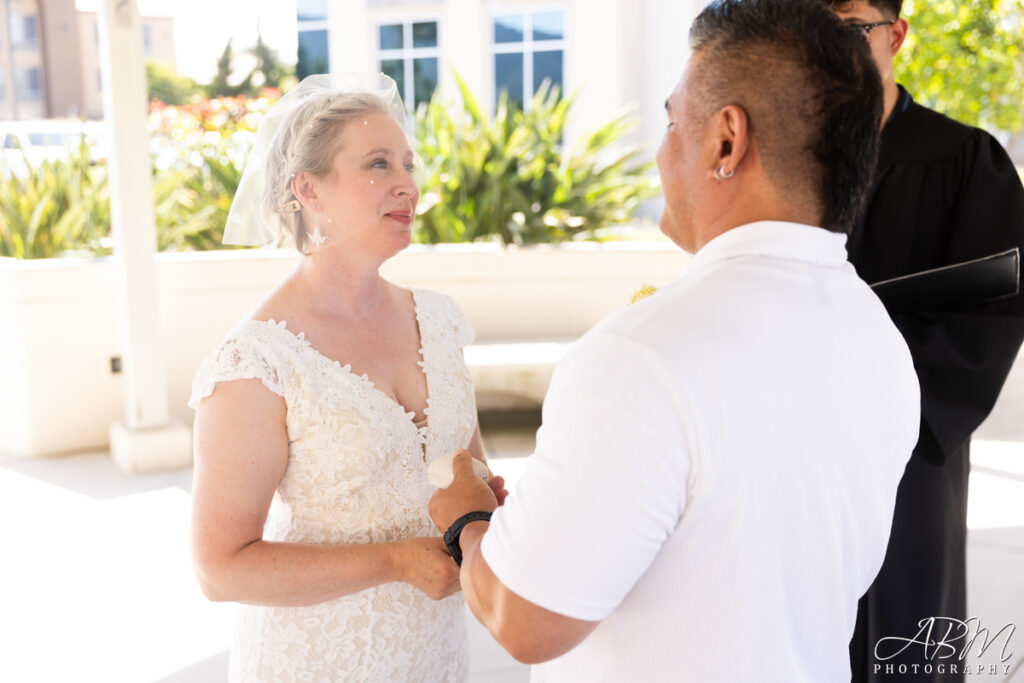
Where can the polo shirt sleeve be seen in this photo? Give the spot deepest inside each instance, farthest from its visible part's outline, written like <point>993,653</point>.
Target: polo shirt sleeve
<point>605,487</point>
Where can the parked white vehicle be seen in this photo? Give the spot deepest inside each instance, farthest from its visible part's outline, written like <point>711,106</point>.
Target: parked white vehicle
<point>47,140</point>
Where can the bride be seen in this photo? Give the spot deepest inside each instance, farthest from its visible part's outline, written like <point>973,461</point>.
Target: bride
<point>318,414</point>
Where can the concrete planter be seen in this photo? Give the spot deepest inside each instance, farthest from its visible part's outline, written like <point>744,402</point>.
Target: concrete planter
<point>59,324</point>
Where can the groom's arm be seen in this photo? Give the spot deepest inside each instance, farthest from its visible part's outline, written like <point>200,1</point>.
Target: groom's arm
<point>603,491</point>
<point>530,633</point>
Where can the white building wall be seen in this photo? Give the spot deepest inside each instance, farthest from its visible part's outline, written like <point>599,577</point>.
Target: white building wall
<point>662,50</point>
<point>618,53</point>
<point>465,39</point>
<point>350,39</point>
<point>89,63</point>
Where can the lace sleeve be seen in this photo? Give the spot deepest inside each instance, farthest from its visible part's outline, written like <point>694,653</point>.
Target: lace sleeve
<point>464,332</point>
<point>239,357</point>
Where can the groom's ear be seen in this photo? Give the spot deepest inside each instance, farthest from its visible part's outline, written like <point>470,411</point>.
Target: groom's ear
<point>732,137</point>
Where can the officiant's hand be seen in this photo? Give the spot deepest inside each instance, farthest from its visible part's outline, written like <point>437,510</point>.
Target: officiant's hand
<point>466,493</point>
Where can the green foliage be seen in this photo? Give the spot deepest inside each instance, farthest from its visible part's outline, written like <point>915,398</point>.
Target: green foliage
<point>63,206</point>
<point>203,147</point>
<point>59,206</point>
<point>269,72</point>
<point>505,178</point>
<point>167,86</point>
<point>508,178</point>
<point>220,86</point>
<point>272,71</point>
<point>192,205</point>
<point>966,60</point>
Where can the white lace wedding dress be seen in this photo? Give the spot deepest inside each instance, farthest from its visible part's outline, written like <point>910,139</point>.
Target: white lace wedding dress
<point>357,473</point>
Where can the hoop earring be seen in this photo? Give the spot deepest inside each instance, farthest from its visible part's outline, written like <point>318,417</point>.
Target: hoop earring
<point>721,174</point>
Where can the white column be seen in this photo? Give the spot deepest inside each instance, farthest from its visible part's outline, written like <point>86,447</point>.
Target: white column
<point>661,57</point>
<point>148,439</point>
<point>595,63</point>
<point>465,47</point>
<point>350,38</point>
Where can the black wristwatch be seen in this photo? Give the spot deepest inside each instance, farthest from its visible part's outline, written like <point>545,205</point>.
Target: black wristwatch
<point>451,537</point>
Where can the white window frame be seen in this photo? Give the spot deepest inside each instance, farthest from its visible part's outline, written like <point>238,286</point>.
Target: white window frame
<point>407,53</point>
<point>318,25</point>
<point>528,47</point>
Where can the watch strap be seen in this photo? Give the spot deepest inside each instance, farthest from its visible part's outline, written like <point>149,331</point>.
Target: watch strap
<point>451,537</point>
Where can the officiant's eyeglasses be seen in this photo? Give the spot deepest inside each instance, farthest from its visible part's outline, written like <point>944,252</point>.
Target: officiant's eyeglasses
<point>864,29</point>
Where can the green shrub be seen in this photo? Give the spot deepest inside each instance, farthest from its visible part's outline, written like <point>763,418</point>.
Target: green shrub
<point>508,178</point>
<point>59,206</point>
<point>192,204</point>
<point>505,178</point>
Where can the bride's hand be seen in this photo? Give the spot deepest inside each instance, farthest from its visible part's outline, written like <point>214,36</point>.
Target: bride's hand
<point>497,485</point>
<point>425,564</point>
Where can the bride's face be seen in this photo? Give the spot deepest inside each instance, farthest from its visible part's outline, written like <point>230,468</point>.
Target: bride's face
<point>370,195</point>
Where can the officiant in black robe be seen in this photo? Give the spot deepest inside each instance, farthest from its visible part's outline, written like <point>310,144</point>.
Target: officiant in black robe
<point>944,193</point>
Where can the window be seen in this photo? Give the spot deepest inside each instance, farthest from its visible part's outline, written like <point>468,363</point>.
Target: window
<point>314,55</point>
<point>3,85</point>
<point>528,49</point>
<point>311,10</point>
<point>27,85</point>
<point>409,53</point>
<point>147,40</point>
<point>23,31</point>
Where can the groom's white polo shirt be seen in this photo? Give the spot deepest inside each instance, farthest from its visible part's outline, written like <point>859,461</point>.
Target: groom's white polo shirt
<point>716,470</point>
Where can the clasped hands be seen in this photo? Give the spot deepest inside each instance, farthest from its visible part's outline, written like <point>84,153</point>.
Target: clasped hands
<point>424,562</point>
<point>466,493</point>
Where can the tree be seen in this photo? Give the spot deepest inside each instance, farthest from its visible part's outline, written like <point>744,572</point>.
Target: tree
<point>220,86</point>
<point>966,60</point>
<point>267,64</point>
<point>166,85</point>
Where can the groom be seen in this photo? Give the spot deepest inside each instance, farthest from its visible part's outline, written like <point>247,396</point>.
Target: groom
<point>713,484</point>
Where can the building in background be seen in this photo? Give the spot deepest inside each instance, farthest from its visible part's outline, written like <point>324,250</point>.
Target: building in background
<point>49,61</point>
<point>157,44</point>
<point>615,53</point>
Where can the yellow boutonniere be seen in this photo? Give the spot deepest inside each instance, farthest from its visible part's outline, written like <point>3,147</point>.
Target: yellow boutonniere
<point>642,293</point>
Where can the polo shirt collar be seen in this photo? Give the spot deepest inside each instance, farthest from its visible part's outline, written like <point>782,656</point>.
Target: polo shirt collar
<point>793,241</point>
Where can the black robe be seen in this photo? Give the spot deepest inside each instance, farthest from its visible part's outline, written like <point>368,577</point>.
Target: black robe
<point>944,193</point>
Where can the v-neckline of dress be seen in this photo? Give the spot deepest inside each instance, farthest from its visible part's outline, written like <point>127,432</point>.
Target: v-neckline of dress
<point>346,369</point>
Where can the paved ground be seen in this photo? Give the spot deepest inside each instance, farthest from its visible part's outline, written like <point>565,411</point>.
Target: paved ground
<point>95,584</point>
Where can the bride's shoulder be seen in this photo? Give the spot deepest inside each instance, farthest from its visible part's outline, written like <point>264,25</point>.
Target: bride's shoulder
<point>269,327</point>
<point>430,298</point>
<point>279,305</point>
<point>444,313</point>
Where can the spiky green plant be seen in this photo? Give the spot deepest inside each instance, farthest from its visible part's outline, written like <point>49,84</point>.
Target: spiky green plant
<point>57,206</point>
<point>509,177</point>
<point>192,204</point>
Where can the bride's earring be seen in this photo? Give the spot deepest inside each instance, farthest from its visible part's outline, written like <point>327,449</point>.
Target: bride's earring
<point>317,237</point>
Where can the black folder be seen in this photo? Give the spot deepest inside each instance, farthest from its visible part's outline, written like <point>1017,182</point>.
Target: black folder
<point>962,284</point>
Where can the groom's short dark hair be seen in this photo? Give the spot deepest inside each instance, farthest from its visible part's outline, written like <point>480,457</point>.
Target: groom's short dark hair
<point>811,92</point>
<point>890,8</point>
